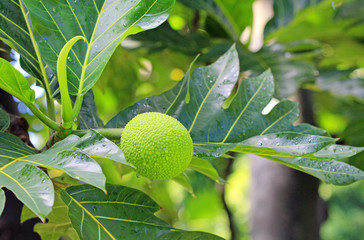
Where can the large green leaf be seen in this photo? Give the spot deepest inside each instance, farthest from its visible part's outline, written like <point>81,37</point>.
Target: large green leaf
<point>103,23</point>
<point>30,185</point>
<point>12,81</point>
<point>219,123</point>
<point>284,144</point>
<point>197,102</point>
<point>334,172</point>
<point>124,213</point>
<point>74,156</point>
<point>15,32</point>
<point>288,69</point>
<point>4,120</point>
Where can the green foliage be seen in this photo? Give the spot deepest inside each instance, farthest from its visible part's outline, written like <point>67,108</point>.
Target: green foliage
<point>101,23</point>
<point>222,103</point>
<point>15,83</point>
<point>58,224</point>
<point>112,217</point>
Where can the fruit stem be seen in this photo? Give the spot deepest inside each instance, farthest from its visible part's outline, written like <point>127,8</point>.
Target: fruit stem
<point>110,133</point>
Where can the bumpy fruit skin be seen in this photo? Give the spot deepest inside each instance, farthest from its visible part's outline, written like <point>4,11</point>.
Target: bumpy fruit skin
<point>157,145</point>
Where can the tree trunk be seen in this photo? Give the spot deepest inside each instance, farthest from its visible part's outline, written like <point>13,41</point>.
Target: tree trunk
<point>285,204</point>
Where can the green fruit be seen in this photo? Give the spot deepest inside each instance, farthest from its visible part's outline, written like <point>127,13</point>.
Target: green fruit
<point>157,145</point>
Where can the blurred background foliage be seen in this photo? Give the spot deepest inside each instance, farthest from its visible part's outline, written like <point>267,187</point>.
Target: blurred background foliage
<point>316,45</point>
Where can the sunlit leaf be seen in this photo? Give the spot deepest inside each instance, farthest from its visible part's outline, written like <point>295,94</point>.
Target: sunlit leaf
<point>124,213</point>
<point>13,82</point>
<point>183,180</point>
<point>205,167</point>
<point>74,156</point>
<point>103,23</point>
<point>30,185</point>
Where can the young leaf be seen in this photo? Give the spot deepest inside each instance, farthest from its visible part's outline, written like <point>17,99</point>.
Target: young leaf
<point>124,213</point>
<point>2,201</point>
<point>103,23</point>
<point>13,82</point>
<point>205,167</point>
<point>67,111</point>
<point>4,120</point>
<point>183,180</point>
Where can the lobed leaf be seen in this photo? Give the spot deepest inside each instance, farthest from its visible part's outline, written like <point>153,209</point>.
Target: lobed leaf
<point>221,120</point>
<point>124,213</point>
